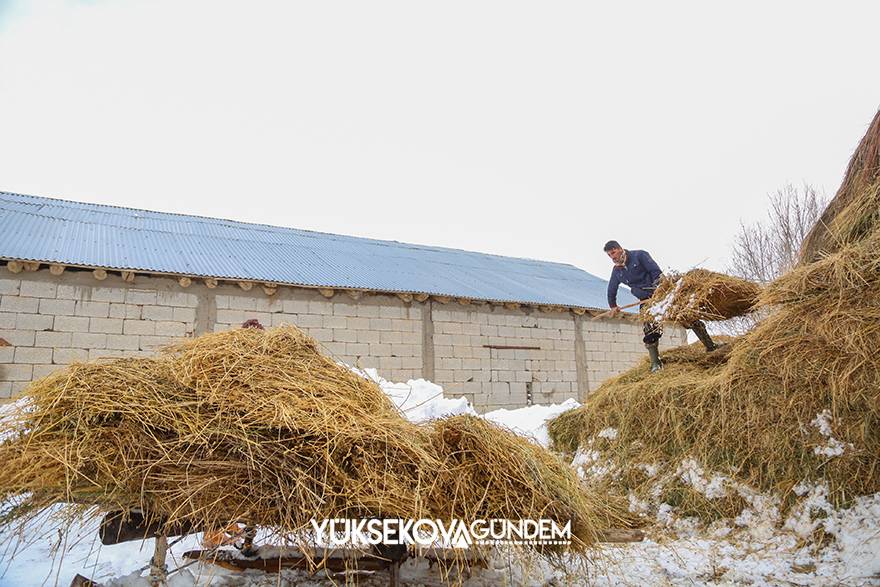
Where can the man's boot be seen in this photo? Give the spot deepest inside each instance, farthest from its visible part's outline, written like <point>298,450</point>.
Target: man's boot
<point>654,353</point>
<point>700,330</point>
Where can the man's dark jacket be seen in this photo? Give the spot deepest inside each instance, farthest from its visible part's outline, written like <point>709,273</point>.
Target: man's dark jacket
<point>640,273</point>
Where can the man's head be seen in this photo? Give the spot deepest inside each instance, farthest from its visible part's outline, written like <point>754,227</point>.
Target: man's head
<point>615,251</point>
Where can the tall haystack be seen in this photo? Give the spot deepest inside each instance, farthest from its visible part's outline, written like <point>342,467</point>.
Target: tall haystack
<point>259,427</point>
<point>795,400</point>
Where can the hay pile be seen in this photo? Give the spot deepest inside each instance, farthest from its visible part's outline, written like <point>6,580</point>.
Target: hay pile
<point>700,294</point>
<point>259,427</point>
<point>474,486</point>
<point>795,400</point>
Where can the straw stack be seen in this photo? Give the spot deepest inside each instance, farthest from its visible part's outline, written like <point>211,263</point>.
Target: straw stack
<point>259,427</point>
<point>700,294</point>
<point>796,399</point>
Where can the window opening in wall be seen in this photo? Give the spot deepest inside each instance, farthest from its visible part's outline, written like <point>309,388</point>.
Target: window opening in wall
<point>528,393</point>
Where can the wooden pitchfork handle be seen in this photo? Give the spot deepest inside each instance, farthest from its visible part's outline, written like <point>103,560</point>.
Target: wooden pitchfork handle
<point>603,314</point>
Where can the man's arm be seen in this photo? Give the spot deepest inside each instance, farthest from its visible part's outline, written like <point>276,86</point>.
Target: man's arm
<point>613,284</point>
<point>652,268</point>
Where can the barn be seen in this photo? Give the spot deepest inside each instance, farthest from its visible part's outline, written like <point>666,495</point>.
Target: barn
<point>81,281</point>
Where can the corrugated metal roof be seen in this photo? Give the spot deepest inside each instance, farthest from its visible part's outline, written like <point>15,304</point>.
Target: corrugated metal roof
<point>92,235</point>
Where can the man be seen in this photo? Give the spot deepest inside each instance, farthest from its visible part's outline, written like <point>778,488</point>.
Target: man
<point>642,274</point>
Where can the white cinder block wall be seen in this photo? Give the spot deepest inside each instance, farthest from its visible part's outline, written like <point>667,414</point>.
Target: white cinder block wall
<point>494,356</point>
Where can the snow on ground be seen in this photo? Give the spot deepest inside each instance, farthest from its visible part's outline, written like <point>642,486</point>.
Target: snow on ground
<point>753,549</point>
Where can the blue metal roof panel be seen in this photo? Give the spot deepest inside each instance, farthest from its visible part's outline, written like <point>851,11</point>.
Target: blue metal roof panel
<point>93,235</point>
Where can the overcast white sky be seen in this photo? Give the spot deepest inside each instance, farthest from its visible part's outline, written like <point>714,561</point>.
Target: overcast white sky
<point>534,129</point>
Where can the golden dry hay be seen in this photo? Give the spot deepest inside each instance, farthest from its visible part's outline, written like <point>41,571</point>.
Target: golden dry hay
<point>260,427</point>
<point>700,294</point>
<point>749,411</point>
<point>532,479</point>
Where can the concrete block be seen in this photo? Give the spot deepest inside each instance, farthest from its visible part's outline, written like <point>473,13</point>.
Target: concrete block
<point>321,334</point>
<point>173,298</point>
<point>67,356</point>
<point>168,328</point>
<point>334,321</point>
<point>367,311</point>
<point>57,307</point>
<point>282,319</point>
<point>380,324</point>
<point>234,317</point>
<point>471,328</point>
<point>404,325</point>
<point>32,355</point>
<point>462,352</point>
<point>5,388</point>
<point>442,339</point>
<point>82,340</point>
<point>389,336</point>
<point>44,370</point>
<point>335,349</point>
<point>355,349</point>
<point>127,342</point>
<point>380,350</point>
<point>6,354</point>
<point>461,340</point>
<point>71,324</point>
<point>442,350</point>
<point>318,307</point>
<point>7,320</point>
<point>295,306</point>
<point>270,305</point>
<point>309,321</point>
<point>138,327</point>
<point>391,312</point>
<point>405,350</point>
<point>38,289</point>
<point>414,363</point>
<point>449,363</point>
<point>242,303</point>
<point>73,292</point>
<point>132,311</point>
<point>347,310</point>
<point>443,377</point>
<point>9,286</point>
<point>343,335</point>
<point>142,297</point>
<point>107,294</point>
<point>389,364</point>
<point>367,336</point>
<point>18,337</point>
<point>488,330</point>
<point>184,314</point>
<point>358,323</point>
<point>19,305</point>
<point>106,325</point>
<point>34,322</point>
<point>158,313</point>
<point>92,309</point>
<point>16,372</point>
<point>53,339</point>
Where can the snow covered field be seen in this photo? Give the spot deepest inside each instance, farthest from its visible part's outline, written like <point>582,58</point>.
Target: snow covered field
<point>753,549</point>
